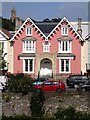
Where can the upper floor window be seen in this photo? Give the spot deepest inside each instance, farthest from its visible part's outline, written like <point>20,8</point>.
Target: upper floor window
<point>29,46</point>
<point>64,30</point>
<point>29,31</point>
<point>65,46</point>
<point>46,47</point>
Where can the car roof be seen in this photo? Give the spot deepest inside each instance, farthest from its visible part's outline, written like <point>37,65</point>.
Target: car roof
<point>77,75</point>
<point>52,80</point>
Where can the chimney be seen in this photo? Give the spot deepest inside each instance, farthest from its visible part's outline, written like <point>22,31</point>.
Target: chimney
<point>79,30</point>
<point>18,24</point>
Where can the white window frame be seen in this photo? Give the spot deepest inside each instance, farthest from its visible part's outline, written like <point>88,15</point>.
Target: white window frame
<point>28,65</point>
<point>69,46</point>
<point>46,47</point>
<point>26,46</point>
<point>65,72</point>
<point>29,29</point>
<point>63,30</point>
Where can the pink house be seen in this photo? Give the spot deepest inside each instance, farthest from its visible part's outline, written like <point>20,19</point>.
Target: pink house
<point>46,48</point>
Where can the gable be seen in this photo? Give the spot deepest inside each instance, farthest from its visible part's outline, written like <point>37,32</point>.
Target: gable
<point>64,20</point>
<point>2,37</point>
<point>47,30</point>
<point>30,21</point>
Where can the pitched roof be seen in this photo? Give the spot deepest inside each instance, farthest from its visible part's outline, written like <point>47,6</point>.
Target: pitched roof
<point>46,27</point>
<point>60,23</point>
<point>22,26</point>
<point>6,33</point>
<point>87,37</point>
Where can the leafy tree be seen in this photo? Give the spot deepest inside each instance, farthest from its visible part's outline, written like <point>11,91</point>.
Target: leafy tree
<point>2,61</point>
<point>7,24</point>
<point>36,104</point>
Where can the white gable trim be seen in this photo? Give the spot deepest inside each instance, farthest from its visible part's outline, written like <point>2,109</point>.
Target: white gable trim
<point>4,34</point>
<point>68,24</point>
<point>28,19</point>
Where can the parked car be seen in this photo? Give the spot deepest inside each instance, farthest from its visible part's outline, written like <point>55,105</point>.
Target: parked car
<point>75,80</point>
<point>86,86</point>
<point>39,81</point>
<point>51,85</point>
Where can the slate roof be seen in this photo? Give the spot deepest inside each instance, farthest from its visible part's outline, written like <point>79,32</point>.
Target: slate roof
<point>46,27</point>
<point>6,32</point>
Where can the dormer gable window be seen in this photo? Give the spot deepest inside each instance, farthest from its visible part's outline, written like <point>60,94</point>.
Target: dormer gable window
<point>64,30</point>
<point>29,31</point>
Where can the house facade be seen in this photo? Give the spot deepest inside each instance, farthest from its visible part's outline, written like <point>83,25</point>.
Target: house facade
<point>4,39</point>
<point>48,47</point>
<point>88,56</point>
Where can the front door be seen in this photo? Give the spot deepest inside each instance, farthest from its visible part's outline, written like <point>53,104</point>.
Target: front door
<point>46,67</point>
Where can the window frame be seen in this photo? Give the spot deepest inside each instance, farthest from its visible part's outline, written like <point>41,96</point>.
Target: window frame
<point>60,71</point>
<point>69,46</point>
<point>24,71</point>
<point>46,47</point>
<point>28,29</point>
<point>63,30</point>
<point>30,43</point>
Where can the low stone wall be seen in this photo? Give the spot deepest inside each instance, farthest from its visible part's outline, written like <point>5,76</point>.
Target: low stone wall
<point>18,104</point>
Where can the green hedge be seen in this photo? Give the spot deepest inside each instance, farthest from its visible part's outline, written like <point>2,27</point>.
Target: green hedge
<point>19,83</point>
<point>61,114</point>
<point>71,114</point>
<point>24,117</point>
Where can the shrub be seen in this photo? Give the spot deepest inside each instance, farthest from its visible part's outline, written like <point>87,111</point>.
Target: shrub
<point>36,104</point>
<point>19,83</point>
<point>70,114</point>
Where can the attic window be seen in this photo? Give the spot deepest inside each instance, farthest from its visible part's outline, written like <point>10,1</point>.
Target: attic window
<point>64,30</point>
<point>29,31</point>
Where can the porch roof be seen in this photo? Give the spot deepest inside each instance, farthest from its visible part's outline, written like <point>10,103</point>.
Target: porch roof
<point>27,55</point>
<point>64,38</point>
<point>65,55</point>
<point>29,38</point>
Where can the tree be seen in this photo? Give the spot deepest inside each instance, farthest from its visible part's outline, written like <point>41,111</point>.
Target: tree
<point>36,104</point>
<point>2,61</point>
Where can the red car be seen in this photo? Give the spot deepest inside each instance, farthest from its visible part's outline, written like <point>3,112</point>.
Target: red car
<point>51,85</point>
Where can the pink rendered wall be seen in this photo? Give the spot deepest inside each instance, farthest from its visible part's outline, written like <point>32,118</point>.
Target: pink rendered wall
<point>76,49</point>
<point>18,49</point>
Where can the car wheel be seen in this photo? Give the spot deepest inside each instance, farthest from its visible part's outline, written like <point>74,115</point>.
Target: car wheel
<point>58,90</point>
<point>83,89</point>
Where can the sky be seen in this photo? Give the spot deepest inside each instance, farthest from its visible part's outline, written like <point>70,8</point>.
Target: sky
<point>41,10</point>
